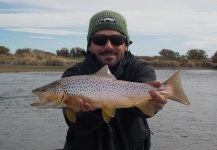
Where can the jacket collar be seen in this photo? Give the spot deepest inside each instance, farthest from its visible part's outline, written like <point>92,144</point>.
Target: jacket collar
<point>117,71</point>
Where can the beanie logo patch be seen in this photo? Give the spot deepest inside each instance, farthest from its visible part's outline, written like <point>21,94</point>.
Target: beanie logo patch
<point>107,20</point>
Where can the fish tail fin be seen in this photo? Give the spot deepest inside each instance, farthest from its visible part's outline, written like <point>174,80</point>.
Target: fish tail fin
<point>179,95</point>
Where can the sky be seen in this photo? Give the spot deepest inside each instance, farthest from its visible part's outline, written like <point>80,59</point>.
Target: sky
<point>153,25</point>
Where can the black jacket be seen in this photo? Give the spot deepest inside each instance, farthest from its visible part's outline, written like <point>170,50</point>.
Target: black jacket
<point>128,130</point>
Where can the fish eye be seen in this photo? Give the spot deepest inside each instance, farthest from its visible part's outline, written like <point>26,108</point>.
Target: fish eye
<point>43,90</point>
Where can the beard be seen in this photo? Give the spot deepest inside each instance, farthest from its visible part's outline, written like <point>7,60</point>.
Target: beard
<point>108,57</point>
<point>108,52</point>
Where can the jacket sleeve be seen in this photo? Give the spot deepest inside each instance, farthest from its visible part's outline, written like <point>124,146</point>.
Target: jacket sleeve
<point>86,121</point>
<point>143,72</point>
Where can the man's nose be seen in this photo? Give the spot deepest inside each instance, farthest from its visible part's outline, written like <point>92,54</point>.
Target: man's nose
<point>108,44</point>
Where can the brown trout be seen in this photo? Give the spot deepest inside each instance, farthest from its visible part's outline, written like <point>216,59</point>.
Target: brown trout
<point>103,90</point>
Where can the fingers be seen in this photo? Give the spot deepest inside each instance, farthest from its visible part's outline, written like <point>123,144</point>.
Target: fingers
<point>158,100</point>
<point>85,106</point>
<point>157,83</point>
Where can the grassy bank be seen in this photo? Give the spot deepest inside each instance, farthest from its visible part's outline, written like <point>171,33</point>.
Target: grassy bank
<point>32,68</point>
<point>36,61</point>
<point>39,61</point>
<point>36,68</point>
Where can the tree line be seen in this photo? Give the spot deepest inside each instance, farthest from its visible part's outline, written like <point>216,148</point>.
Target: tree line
<point>166,54</point>
<point>193,54</point>
<point>65,52</point>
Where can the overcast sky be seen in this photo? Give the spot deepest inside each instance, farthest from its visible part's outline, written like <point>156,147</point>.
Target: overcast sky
<point>49,25</point>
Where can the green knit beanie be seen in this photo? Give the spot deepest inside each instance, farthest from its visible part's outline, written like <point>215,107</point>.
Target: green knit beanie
<point>108,20</point>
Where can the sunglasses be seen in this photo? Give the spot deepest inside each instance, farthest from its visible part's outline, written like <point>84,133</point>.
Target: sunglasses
<point>115,40</point>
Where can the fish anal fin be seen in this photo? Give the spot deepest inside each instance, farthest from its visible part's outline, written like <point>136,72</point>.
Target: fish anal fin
<point>146,107</point>
<point>70,114</point>
<point>73,102</point>
<point>108,112</point>
<point>106,118</point>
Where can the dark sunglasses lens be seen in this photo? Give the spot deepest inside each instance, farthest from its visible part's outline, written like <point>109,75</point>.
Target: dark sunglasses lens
<point>99,40</point>
<point>117,40</point>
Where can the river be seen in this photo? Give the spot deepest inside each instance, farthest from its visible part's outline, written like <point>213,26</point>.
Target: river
<point>176,127</point>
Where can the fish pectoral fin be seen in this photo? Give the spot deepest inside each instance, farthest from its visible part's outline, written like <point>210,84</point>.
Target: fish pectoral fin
<point>73,102</point>
<point>146,107</point>
<point>70,114</point>
<point>108,112</point>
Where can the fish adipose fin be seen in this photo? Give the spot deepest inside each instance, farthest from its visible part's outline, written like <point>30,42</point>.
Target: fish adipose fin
<point>175,82</point>
<point>105,72</point>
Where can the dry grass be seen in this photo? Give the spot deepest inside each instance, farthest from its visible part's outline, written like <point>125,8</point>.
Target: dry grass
<point>159,62</point>
<point>38,58</point>
<point>35,61</point>
<point>32,68</point>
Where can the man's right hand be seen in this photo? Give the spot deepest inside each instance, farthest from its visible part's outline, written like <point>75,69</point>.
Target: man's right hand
<point>85,106</point>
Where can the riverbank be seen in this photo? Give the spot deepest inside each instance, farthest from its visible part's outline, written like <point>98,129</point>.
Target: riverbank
<point>49,68</point>
<point>31,68</point>
<point>39,61</point>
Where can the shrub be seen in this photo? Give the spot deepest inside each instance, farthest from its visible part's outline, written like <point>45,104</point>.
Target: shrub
<point>4,50</point>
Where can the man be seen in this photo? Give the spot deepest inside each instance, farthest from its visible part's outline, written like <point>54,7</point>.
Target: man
<point>108,43</point>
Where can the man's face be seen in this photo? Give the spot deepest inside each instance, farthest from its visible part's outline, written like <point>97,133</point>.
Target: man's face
<point>108,54</point>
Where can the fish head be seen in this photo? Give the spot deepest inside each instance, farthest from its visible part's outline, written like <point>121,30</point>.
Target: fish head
<point>50,92</point>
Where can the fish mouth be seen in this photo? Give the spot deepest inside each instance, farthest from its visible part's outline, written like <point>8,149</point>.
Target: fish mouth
<point>49,96</point>
<point>38,95</point>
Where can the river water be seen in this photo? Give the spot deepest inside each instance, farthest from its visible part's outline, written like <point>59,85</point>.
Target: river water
<point>176,127</point>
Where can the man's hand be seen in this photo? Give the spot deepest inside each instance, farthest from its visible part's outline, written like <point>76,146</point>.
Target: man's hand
<point>85,106</point>
<point>159,100</point>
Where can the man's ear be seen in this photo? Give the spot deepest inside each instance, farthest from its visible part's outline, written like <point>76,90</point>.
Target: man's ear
<point>89,49</point>
<point>126,48</point>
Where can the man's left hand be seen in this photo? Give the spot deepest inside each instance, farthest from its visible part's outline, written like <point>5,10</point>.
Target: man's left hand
<point>158,100</point>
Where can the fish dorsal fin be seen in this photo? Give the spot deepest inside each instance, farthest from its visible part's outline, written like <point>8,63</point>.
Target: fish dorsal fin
<point>105,72</point>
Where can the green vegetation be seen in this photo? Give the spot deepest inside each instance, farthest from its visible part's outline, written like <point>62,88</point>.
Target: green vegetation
<point>214,58</point>
<point>74,52</point>
<point>193,59</point>
<point>27,59</point>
